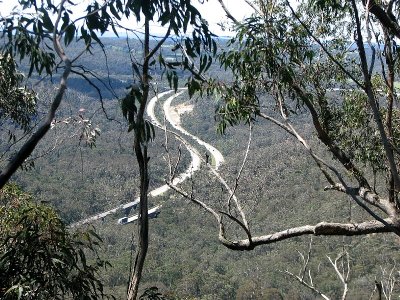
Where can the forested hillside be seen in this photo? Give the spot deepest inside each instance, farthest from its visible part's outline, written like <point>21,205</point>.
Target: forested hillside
<point>187,166</point>
<point>280,187</point>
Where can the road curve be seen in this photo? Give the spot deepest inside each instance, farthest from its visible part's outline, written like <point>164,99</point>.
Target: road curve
<point>195,162</point>
<point>194,165</point>
<point>215,153</point>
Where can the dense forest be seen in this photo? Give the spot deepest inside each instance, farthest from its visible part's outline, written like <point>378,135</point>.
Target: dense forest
<point>185,259</point>
<point>87,163</point>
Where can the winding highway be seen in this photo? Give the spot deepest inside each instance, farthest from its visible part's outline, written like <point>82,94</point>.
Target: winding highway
<point>173,118</point>
<point>218,158</point>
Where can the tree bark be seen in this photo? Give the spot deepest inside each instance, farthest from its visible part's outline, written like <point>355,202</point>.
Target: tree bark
<point>323,228</point>
<point>140,149</point>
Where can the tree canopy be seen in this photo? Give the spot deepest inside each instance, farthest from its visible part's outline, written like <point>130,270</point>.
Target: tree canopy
<point>336,62</point>
<point>41,34</point>
<point>39,257</point>
<point>16,102</point>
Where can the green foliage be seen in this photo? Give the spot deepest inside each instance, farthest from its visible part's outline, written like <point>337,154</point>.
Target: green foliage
<point>272,59</point>
<point>129,108</point>
<point>39,258</point>
<point>17,103</point>
<point>264,53</point>
<point>275,62</point>
<point>354,130</point>
<point>31,34</point>
<point>185,258</point>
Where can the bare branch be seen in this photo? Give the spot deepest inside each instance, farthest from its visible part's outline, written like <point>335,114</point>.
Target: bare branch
<point>345,276</point>
<point>310,285</point>
<point>177,163</point>
<point>234,198</point>
<point>276,122</point>
<point>289,128</point>
<point>367,195</point>
<point>325,138</point>
<point>383,16</point>
<point>387,207</point>
<point>307,260</point>
<point>171,174</point>
<point>323,228</point>
<point>79,55</point>
<point>388,282</point>
<point>394,229</point>
<point>241,169</point>
<point>196,201</point>
<point>239,223</point>
<point>251,4</point>
<point>193,69</point>
<point>158,46</point>
<point>21,138</point>
<point>338,153</point>
<point>172,170</point>
<point>227,12</point>
<point>92,84</point>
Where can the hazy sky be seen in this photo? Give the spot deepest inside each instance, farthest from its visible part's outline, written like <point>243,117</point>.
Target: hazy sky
<point>211,11</point>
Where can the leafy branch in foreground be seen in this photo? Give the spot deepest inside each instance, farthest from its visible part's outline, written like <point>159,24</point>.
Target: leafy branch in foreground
<point>307,62</point>
<point>39,257</point>
<point>17,103</point>
<point>40,35</point>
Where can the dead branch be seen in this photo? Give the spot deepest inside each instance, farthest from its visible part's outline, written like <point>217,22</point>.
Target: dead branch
<point>388,282</point>
<point>306,260</point>
<point>344,275</point>
<point>320,229</point>
<point>251,4</point>
<point>228,13</point>
<point>301,277</point>
<point>237,179</point>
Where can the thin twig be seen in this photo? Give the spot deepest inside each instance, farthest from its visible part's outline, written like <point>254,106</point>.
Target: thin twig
<point>228,13</point>
<point>241,168</point>
<point>306,261</point>
<point>343,278</point>
<point>308,285</point>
